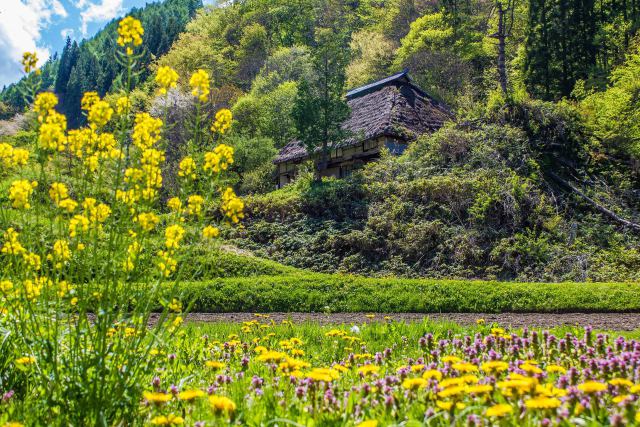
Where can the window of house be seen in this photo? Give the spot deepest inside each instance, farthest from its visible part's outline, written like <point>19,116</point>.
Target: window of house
<point>346,170</point>
<point>370,144</point>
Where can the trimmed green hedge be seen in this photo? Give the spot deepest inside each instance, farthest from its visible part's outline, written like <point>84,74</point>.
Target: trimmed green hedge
<point>336,293</point>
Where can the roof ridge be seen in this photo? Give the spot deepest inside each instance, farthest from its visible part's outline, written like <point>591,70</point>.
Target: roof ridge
<point>385,80</point>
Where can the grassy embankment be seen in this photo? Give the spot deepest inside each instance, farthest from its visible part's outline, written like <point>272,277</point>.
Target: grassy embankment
<point>310,292</point>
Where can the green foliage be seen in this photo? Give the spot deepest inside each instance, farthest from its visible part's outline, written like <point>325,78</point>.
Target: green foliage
<point>613,115</point>
<point>253,163</point>
<point>320,107</point>
<point>268,114</point>
<point>572,40</point>
<point>429,32</point>
<point>444,49</point>
<point>337,293</point>
<point>470,201</point>
<point>207,263</point>
<point>372,58</point>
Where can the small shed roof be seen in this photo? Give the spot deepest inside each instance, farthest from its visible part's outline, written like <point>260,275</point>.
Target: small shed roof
<point>392,107</point>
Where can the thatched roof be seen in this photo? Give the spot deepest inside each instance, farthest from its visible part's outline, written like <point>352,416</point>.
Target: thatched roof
<point>392,107</point>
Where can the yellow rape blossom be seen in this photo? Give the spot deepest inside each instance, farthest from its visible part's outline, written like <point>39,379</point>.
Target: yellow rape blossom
<point>12,157</point>
<point>78,224</point>
<point>194,205</point>
<point>174,204</point>
<point>210,232</point>
<point>148,221</point>
<point>232,206</point>
<point>219,159</point>
<point>60,253</point>
<point>99,114</point>
<point>166,264</point>
<point>20,193</point>
<point>199,83</point>
<point>88,100</point>
<point>166,78</point>
<point>173,235</point>
<point>222,121</point>
<point>58,191</point>
<point>6,286</point>
<point>44,103</point>
<point>130,33</point>
<point>146,131</point>
<point>51,135</point>
<point>123,105</point>
<point>68,205</point>
<point>187,168</point>
<point>12,245</point>
<point>29,61</point>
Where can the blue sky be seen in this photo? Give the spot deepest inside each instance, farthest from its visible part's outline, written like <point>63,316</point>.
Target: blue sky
<point>42,25</point>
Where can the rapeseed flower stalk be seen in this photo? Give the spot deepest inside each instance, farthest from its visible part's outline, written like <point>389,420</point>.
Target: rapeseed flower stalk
<point>219,159</point>
<point>88,100</point>
<point>12,158</point>
<point>20,193</point>
<point>130,34</point>
<point>232,206</point>
<point>199,83</point>
<point>81,271</point>
<point>123,105</point>
<point>210,232</point>
<point>222,121</point>
<point>187,168</point>
<point>166,78</point>
<point>29,61</point>
<point>147,131</point>
<point>99,115</point>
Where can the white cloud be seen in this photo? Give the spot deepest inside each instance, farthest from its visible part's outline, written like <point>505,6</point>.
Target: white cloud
<point>67,32</point>
<point>104,10</point>
<point>20,24</point>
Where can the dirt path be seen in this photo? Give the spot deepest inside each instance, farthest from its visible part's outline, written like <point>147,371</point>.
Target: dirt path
<point>608,321</point>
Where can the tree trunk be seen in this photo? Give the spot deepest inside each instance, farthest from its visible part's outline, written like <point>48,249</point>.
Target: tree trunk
<point>595,204</point>
<point>501,35</point>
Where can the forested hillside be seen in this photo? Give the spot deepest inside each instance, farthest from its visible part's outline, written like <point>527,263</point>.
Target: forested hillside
<point>91,66</point>
<point>535,178</point>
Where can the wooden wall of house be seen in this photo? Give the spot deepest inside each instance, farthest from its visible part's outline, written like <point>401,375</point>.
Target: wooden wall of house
<point>342,161</point>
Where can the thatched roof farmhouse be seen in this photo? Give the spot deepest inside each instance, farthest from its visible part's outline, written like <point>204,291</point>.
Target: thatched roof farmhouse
<point>389,113</point>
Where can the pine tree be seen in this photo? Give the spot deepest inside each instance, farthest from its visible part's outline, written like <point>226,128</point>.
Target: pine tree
<point>320,107</point>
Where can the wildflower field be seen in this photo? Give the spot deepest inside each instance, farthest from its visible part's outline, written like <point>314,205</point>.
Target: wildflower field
<point>381,373</point>
<point>99,262</point>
